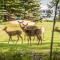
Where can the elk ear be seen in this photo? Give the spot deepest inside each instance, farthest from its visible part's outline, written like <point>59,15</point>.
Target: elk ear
<point>27,24</point>
<point>18,21</point>
<point>5,28</point>
<point>22,21</point>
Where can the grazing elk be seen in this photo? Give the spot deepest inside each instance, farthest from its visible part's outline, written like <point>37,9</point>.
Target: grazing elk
<point>32,31</point>
<point>13,33</point>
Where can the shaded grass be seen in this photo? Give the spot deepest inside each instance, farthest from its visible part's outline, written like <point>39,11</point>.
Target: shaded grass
<point>4,47</point>
<point>29,55</point>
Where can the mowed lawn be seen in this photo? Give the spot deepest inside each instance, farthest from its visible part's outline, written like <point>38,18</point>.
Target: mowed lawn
<point>4,46</point>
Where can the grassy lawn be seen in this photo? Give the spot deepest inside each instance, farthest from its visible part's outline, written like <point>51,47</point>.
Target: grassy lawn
<point>44,48</point>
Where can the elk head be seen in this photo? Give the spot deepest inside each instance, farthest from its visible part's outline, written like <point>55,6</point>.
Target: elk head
<point>22,25</point>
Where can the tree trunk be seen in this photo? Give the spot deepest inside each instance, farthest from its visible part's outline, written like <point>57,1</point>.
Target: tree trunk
<point>54,22</point>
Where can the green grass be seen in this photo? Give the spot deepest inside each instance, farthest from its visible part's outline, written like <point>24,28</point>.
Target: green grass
<point>46,42</point>
<point>44,48</point>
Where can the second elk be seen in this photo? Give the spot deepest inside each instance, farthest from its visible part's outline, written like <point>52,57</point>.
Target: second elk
<point>13,33</point>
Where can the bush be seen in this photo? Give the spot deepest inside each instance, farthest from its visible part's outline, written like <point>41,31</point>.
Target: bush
<point>28,56</point>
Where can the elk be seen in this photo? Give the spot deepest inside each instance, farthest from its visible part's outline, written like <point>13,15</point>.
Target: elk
<point>13,33</point>
<point>32,31</point>
<point>25,26</point>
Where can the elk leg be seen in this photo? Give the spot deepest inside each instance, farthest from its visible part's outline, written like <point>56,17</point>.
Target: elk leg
<point>17,39</point>
<point>24,36</point>
<point>43,36</point>
<point>34,38</point>
<point>39,38</point>
<point>21,38</point>
<point>10,38</point>
<point>30,39</point>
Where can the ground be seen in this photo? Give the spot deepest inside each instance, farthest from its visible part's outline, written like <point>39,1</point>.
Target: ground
<point>44,48</point>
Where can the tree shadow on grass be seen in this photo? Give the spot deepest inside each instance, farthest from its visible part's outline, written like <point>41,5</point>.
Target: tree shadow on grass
<point>26,46</point>
<point>18,55</point>
<point>13,54</point>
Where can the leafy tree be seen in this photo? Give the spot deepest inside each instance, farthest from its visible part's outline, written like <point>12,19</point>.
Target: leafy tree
<point>51,5</point>
<point>49,13</point>
<point>1,10</point>
<point>58,17</point>
<point>22,7</point>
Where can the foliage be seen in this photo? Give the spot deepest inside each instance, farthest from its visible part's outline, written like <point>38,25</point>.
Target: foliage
<point>53,5</point>
<point>22,7</point>
<point>1,9</point>
<point>49,13</point>
<point>58,17</point>
<point>18,55</point>
<point>1,4</point>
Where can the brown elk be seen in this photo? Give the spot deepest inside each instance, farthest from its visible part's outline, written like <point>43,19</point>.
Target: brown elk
<point>13,33</point>
<point>25,26</point>
<point>32,31</point>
